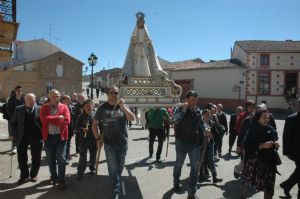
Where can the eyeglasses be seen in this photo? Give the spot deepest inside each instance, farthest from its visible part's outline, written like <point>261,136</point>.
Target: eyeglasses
<point>116,93</point>
<point>20,90</point>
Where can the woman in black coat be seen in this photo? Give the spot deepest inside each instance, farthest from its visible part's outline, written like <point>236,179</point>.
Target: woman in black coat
<point>260,158</point>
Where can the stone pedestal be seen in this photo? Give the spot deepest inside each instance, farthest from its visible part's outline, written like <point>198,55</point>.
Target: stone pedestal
<point>150,92</point>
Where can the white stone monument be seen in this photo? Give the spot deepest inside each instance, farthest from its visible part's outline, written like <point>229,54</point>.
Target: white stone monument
<point>144,83</point>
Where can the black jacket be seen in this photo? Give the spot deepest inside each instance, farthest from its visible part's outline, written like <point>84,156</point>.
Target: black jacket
<point>223,120</point>
<point>232,123</point>
<point>18,124</point>
<point>291,137</point>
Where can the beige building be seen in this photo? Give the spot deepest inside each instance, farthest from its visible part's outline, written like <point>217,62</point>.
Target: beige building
<point>272,70</point>
<point>106,78</point>
<point>214,81</point>
<point>264,71</point>
<point>39,66</point>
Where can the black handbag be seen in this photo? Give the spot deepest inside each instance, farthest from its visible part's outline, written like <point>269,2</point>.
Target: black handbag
<point>269,156</point>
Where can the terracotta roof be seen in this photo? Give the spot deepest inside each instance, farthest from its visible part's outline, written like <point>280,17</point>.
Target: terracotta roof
<point>221,64</point>
<point>166,65</point>
<point>269,46</point>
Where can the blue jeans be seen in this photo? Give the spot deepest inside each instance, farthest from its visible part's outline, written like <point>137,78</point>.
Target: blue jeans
<point>210,159</point>
<point>193,150</point>
<point>115,156</point>
<point>56,152</point>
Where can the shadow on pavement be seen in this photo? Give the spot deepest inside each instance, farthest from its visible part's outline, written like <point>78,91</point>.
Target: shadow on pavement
<point>89,187</point>
<point>233,189</point>
<point>140,139</point>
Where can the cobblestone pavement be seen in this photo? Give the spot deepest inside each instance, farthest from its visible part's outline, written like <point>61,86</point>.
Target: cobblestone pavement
<point>142,178</point>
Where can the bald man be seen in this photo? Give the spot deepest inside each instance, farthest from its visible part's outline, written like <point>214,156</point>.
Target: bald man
<point>55,118</point>
<point>27,129</point>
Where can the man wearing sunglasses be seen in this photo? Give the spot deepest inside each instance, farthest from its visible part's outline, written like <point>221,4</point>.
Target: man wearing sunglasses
<point>112,118</point>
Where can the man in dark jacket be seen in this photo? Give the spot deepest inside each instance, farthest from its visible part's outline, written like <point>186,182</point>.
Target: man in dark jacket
<point>188,129</point>
<point>291,148</point>
<point>26,130</point>
<point>224,129</point>
<point>16,98</point>
<point>66,99</point>
<point>232,132</point>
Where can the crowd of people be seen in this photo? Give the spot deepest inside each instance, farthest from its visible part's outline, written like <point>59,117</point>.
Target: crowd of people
<point>198,134</point>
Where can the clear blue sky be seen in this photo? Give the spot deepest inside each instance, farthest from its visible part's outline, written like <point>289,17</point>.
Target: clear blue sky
<point>180,29</point>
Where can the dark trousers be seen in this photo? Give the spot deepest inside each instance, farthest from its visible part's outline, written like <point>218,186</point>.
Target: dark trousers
<point>293,180</point>
<point>36,151</point>
<point>159,133</point>
<point>220,142</point>
<point>84,147</point>
<point>232,138</point>
<point>77,142</point>
<point>68,152</point>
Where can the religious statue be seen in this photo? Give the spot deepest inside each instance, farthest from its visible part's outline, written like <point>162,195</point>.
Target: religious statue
<point>143,82</point>
<point>141,59</point>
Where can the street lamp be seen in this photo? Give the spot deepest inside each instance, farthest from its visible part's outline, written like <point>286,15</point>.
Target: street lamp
<point>92,62</point>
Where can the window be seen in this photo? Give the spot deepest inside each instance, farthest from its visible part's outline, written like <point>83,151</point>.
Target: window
<point>264,59</point>
<point>49,86</point>
<point>264,83</point>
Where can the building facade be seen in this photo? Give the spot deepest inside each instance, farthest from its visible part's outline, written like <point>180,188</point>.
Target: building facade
<point>272,70</point>
<point>38,67</point>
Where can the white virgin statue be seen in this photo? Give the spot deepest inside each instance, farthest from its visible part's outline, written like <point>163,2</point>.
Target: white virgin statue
<point>141,59</point>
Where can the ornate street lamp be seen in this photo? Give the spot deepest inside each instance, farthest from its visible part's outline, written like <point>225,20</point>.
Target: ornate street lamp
<point>92,62</point>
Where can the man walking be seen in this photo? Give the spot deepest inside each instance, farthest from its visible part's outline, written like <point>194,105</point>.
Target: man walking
<point>15,99</point>
<point>188,129</point>
<point>291,148</point>
<point>55,118</point>
<point>232,131</point>
<point>156,118</point>
<point>111,118</point>
<point>26,131</point>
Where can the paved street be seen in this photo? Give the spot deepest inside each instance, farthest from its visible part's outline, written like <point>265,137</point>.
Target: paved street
<point>142,177</point>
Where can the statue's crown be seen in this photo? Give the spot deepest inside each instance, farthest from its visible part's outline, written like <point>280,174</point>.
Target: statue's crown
<point>140,15</point>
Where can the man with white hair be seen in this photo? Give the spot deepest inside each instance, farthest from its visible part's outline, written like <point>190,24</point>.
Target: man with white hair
<point>26,126</point>
<point>55,118</point>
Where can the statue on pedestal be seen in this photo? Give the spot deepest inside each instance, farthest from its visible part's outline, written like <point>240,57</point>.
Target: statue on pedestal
<point>141,59</point>
<point>143,82</point>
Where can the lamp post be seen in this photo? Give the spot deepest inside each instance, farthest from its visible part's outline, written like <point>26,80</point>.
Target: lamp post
<point>92,62</point>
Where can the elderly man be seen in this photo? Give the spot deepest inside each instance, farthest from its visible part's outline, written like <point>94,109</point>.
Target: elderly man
<point>27,131</point>
<point>111,118</point>
<point>291,148</point>
<point>55,118</point>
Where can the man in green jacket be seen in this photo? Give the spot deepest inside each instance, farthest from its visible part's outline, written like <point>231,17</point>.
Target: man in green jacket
<point>156,117</point>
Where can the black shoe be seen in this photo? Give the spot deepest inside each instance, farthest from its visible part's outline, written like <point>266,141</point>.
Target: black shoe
<point>220,155</point>
<point>93,172</point>
<point>21,181</point>
<point>62,185</point>
<point>216,180</point>
<point>285,190</point>
<point>34,179</point>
